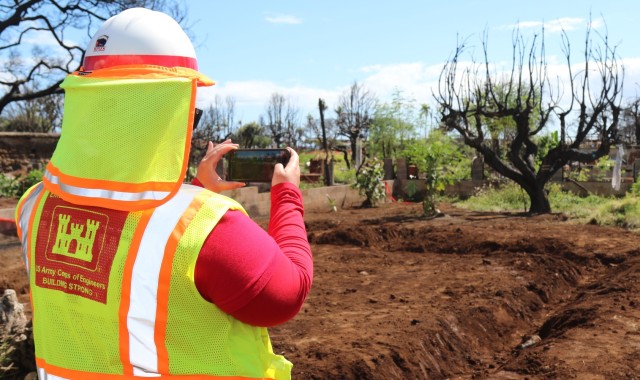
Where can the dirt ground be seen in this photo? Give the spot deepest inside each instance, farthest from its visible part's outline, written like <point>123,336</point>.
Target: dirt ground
<point>466,296</point>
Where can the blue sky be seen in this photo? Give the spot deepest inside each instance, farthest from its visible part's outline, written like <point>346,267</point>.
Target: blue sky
<point>307,50</point>
<point>310,49</point>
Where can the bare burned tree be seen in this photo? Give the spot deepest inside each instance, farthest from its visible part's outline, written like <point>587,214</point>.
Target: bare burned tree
<point>281,120</point>
<point>355,110</point>
<point>58,52</point>
<point>630,128</point>
<point>473,99</point>
<point>325,133</point>
<point>41,115</point>
<point>216,124</point>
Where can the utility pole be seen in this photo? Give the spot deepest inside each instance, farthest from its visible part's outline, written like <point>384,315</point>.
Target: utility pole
<point>328,172</point>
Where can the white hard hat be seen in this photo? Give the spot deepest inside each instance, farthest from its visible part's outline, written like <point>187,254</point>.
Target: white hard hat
<point>140,36</point>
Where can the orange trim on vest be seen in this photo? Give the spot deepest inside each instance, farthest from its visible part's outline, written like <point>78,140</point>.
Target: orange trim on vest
<point>125,298</point>
<point>72,374</point>
<point>142,71</point>
<point>88,183</point>
<point>164,280</point>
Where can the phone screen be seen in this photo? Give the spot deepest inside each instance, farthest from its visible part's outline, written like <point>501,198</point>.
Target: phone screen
<point>254,165</point>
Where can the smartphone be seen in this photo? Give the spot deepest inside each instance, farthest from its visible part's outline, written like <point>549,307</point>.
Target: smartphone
<point>254,165</point>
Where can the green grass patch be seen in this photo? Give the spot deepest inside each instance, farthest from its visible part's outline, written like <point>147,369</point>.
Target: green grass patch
<point>507,197</point>
<point>624,212</point>
<point>593,209</point>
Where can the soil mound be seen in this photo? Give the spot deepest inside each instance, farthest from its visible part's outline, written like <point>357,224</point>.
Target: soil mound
<point>468,295</point>
<point>465,296</point>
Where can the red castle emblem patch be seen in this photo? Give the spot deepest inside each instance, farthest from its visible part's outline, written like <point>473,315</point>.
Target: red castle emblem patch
<point>101,42</point>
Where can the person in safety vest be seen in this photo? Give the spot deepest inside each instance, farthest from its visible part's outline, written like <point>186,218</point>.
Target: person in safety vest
<point>133,273</point>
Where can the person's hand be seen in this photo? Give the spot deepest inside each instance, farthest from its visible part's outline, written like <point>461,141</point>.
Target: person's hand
<point>206,172</point>
<point>290,173</point>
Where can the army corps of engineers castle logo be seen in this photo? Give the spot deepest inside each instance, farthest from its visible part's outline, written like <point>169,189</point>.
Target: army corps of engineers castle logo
<point>77,255</point>
<point>76,236</point>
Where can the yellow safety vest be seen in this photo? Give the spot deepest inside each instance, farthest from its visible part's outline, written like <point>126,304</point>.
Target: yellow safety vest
<point>126,134</point>
<point>111,237</point>
<point>113,293</point>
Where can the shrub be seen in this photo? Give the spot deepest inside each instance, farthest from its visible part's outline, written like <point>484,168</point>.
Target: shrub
<point>14,187</point>
<point>440,161</point>
<point>369,182</point>
<point>635,188</point>
<point>9,186</point>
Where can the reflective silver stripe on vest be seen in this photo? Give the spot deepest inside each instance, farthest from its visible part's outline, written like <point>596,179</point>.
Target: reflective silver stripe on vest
<point>106,194</point>
<point>23,220</point>
<point>43,375</point>
<point>143,352</point>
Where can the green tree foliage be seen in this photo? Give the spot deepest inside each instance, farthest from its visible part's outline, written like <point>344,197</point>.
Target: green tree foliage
<point>441,161</point>
<point>394,123</point>
<point>369,182</point>
<point>545,144</point>
<point>251,135</point>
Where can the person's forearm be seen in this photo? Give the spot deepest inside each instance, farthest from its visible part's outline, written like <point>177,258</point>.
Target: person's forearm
<point>291,272</point>
<point>243,271</point>
<point>286,226</point>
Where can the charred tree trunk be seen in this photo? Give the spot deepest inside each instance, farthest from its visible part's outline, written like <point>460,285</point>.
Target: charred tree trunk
<point>538,197</point>
<point>328,172</point>
<point>353,145</point>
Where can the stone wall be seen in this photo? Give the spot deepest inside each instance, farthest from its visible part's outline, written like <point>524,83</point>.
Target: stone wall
<point>318,199</point>
<point>22,152</point>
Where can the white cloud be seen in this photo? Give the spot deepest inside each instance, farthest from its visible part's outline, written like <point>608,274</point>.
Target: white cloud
<point>557,25</point>
<point>416,80</point>
<point>42,38</point>
<point>251,97</point>
<point>283,19</point>
<point>597,23</point>
<point>631,77</point>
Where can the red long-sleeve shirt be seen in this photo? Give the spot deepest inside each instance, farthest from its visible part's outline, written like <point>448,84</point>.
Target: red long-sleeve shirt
<point>257,277</point>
